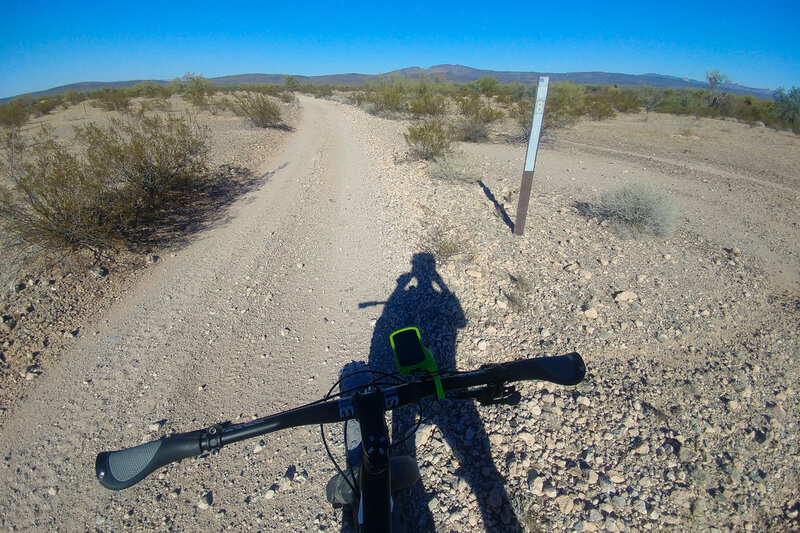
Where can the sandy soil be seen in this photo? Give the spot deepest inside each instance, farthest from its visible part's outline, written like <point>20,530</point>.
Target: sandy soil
<point>258,314</point>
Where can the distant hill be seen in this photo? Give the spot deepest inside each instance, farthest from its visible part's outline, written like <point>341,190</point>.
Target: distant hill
<point>449,73</point>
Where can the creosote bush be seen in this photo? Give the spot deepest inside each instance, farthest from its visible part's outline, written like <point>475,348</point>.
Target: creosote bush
<point>14,115</point>
<point>259,109</point>
<point>113,100</point>
<point>427,104</point>
<point>478,115</point>
<point>429,139</point>
<point>389,95</point>
<point>565,105</point>
<point>60,201</point>
<point>598,109</point>
<point>638,206</point>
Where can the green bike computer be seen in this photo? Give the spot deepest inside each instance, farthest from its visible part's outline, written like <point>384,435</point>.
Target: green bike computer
<point>411,355</point>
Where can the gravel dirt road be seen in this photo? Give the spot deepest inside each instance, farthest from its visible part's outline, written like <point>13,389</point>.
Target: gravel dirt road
<point>255,316</point>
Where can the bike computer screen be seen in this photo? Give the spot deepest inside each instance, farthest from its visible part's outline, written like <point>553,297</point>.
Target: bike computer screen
<point>408,348</point>
<point>411,355</point>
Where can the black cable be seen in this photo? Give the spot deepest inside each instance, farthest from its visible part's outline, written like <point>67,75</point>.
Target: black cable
<point>328,396</point>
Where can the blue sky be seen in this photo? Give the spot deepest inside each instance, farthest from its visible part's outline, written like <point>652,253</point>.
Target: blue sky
<point>46,44</point>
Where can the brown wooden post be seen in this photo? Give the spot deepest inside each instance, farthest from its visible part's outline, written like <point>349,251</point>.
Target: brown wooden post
<point>530,156</point>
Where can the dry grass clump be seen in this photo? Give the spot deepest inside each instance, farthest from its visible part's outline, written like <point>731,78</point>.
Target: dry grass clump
<point>443,242</point>
<point>637,206</point>
<point>449,167</point>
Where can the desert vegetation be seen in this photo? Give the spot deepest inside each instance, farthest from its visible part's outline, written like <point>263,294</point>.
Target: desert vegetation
<point>60,201</point>
<point>120,175</point>
<point>635,206</point>
<point>101,187</point>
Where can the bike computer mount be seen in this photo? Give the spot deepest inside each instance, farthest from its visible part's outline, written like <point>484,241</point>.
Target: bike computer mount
<point>412,356</point>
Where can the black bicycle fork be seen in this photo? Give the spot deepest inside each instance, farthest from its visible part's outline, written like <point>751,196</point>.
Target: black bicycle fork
<point>375,506</point>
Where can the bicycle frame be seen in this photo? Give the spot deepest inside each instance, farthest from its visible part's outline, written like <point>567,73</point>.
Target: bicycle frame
<point>375,502</point>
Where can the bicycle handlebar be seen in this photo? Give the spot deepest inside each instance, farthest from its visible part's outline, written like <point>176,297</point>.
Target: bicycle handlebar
<point>123,468</point>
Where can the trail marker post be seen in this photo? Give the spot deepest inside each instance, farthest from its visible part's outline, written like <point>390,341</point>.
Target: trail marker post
<point>530,156</point>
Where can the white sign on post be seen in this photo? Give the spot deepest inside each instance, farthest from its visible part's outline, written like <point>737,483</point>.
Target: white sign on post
<point>536,125</point>
<point>530,156</point>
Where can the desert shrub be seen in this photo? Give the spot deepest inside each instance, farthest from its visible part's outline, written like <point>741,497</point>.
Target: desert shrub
<point>61,201</point>
<point>389,96</point>
<point>451,168</point>
<point>147,159</point>
<point>287,97</point>
<point>113,100</point>
<point>150,89</point>
<point>565,105</point>
<point>650,98</point>
<point>429,140</point>
<point>52,205</point>
<point>427,104</point>
<point>599,109</point>
<point>638,206</point>
<point>321,91</point>
<point>195,89</point>
<point>13,115</point>
<point>717,82</point>
<point>46,105</point>
<point>369,107</point>
<point>291,83</point>
<point>624,100</point>
<point>478,115</point>
<point>259,109</point>
<point>787,105</point>
<point>487,85</point>
<point>147,105</point>
<point>73,97</point>
<point>522,113</point>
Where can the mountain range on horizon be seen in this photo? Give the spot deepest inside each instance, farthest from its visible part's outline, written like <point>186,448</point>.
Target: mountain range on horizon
<point>448,73</point>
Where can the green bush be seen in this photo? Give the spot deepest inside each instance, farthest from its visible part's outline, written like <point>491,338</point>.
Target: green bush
<point>195,89</point>
<point>638,206</point>
<point>120,178</point>
<point>46,105</point>
<point>259,109</point>
<point>624,100</point>
<point>478,115</point>
<point>13,115</point>
<point>787,105</point>
<point>389,96</point>
<point>429,140</point>
<point>53,205</point>
<point>565,105</point>
<point>74,97</point>
<point>599,109</point>
<point>522,113</point>
<point>427,104</point>
<point>113,100</point>
<point>147,159</point>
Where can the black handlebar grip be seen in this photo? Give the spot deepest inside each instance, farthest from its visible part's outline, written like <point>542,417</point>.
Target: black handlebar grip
<point>564,369</point>
<point>124,468</point>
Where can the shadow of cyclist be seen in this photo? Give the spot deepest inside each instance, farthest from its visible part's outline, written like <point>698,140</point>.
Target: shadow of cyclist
<point>422,299</point>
